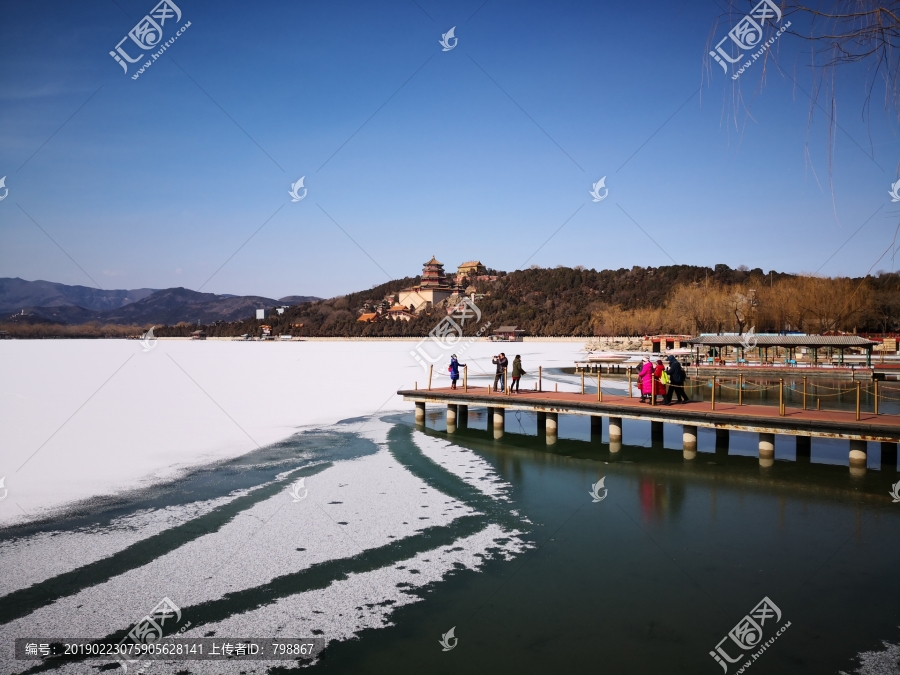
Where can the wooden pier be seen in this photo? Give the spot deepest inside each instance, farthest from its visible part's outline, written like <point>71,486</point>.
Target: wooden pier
<point>857,427</point>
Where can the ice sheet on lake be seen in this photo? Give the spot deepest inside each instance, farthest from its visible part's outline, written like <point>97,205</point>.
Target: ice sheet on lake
<point>352,506</point>
<point>362,601</point>
<point>82,418</point>
<point>882,662</point>
<point>463,463</point>
<point>29,560</point>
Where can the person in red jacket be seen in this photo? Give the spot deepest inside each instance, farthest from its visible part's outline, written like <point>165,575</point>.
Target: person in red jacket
<point>659,389</point>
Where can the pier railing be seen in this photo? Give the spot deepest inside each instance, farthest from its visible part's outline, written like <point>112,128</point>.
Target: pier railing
<point>875,391</point>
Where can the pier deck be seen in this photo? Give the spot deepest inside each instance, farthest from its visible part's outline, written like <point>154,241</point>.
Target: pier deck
<point>758,418</point>
<point>764,420</point>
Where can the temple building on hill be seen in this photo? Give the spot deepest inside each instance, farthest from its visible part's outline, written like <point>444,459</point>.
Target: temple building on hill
<point>431,291</point>
<point>470,269</point>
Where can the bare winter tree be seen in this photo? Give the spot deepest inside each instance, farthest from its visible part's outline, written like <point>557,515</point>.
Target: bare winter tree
<point>834,33</point>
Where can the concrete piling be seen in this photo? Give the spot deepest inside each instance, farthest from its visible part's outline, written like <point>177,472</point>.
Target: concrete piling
<point>858,457</point>
<point>615,429</point>
<point>766,449</point>
<point>689,441</point>
<point>552,428</point>
<point>451,418</point>
<point>420,412</point>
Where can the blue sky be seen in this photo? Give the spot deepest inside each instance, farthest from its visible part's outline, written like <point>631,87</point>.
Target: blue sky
<point>480,152</point>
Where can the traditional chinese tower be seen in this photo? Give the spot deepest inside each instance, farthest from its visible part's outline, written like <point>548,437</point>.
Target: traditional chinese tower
<point>433,275</point>
<point>431,291</point>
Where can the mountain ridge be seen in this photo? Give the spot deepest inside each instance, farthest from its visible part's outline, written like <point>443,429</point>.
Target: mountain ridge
<point>50,302</point>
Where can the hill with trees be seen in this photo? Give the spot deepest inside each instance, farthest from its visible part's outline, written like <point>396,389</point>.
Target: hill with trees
<point>565,301</point>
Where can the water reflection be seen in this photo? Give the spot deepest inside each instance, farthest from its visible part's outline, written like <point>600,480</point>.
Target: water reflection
<point>660,499</point>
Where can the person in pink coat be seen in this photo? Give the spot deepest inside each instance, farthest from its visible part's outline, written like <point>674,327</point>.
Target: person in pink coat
<point>645,380</point>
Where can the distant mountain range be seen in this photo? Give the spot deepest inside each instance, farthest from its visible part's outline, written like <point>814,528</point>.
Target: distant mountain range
<point>49,302</point>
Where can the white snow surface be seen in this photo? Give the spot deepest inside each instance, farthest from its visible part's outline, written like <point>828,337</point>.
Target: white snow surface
<point>85,418</point>
<point>882,662</point>
<point>463,463</point>
<point>362,601</point>
<point>30,560</point>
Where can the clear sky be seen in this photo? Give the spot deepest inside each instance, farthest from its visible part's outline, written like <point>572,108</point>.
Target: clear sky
<point>484,151</point>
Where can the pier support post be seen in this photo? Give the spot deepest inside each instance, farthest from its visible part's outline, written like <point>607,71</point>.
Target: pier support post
<point>462,416</point>
<point>615,434</point>
<point>552,424</point>
<point>858,457</point>
<point>596,427</point>
<point>804,449</point>
<point>656,433</point>
<point>723,437</point>
<point>542,422</point>
<point>615,429</point>
<point>420,412</point>
<point>888,456</point>
<point>766,449</point>
<point>689,441</point>
<point>451,418</point>
<point>499,418</point>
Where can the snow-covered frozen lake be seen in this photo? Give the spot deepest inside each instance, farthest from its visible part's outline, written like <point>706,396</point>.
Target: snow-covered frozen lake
<point>87,418</point>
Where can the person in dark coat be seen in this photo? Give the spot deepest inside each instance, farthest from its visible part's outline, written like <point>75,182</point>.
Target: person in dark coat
<point>677,378</point>
<point>500,377</point>
<point>517,372</point>
<point>454,370</point>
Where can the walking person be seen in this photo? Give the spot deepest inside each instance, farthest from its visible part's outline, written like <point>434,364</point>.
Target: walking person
<point>659,387</point>
<point>517,372</point>
<point>645,380</point>
<point>454,370</point>
<point>500,377</point>
<point>677,378</point>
